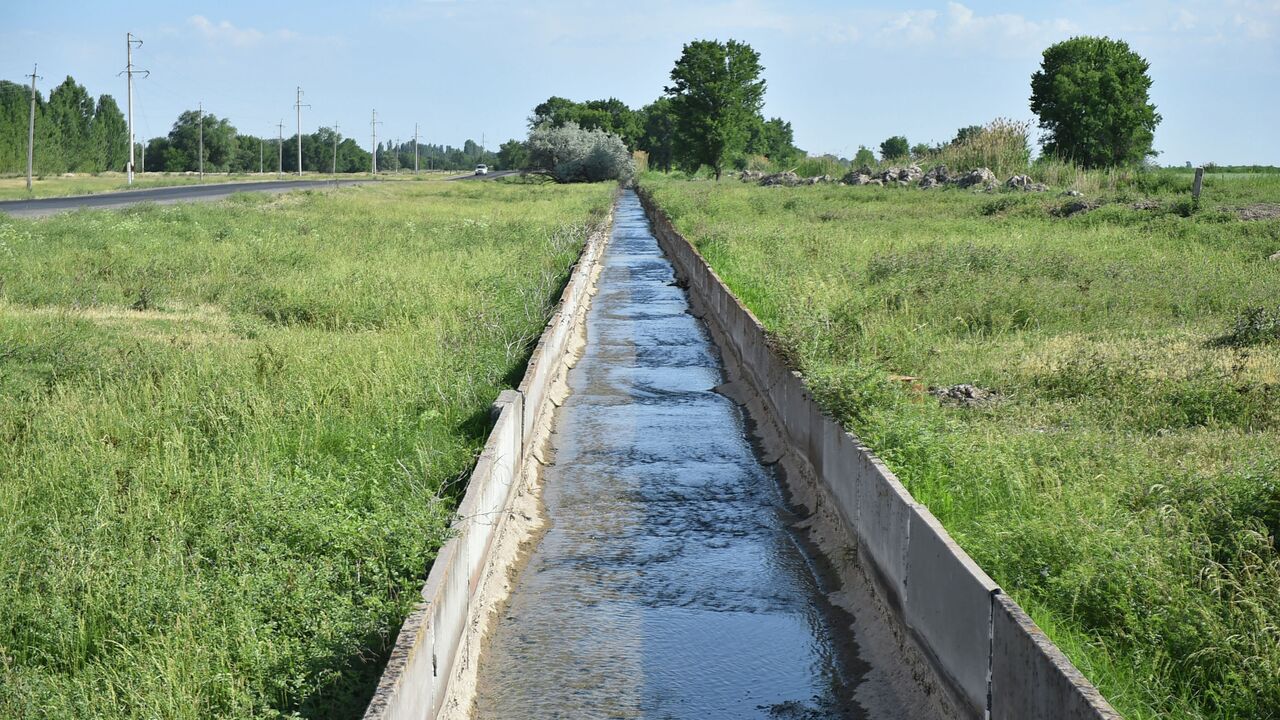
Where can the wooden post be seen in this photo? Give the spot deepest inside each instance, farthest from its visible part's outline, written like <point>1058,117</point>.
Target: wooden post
<point>1197,184</point>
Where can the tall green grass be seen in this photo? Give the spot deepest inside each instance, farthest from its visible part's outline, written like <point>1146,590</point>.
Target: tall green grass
<point>1126,487</point>
<point>232,436</point>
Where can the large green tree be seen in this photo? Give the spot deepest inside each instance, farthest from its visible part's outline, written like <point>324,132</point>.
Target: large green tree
<point>183,153</point>
<point>1091,95</point>
<point>658,136</point>
<point>716,94</point>
<point>70,110</point>
<point>109,136</point>
<point>895,148</point>
<point>773,139</point>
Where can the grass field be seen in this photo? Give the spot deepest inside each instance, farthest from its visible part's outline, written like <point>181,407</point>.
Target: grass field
<point>232,435</point>
<point>1124,484</point>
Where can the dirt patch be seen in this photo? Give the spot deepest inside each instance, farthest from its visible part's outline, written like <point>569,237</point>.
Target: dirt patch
<point>1259,211</point>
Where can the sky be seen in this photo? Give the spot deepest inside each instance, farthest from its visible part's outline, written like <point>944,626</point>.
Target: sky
<point>843,73</point>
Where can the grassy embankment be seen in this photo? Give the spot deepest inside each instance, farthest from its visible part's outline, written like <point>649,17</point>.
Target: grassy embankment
<point>1125,488</point>
<point>231,435</point>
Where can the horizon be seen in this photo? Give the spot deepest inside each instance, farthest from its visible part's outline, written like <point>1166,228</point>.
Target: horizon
<point>474,70</point>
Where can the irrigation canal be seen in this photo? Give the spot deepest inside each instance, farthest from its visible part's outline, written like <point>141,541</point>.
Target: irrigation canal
<point>671,582</point>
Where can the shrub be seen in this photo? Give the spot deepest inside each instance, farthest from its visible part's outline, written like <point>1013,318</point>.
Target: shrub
<point>572,154</point>
<point>895,148</point>
<point>1001,145</point>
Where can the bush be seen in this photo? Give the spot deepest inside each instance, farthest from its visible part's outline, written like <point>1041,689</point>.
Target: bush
<point>1001,145</point>
<point>572,154</point>
<point>895,148</point>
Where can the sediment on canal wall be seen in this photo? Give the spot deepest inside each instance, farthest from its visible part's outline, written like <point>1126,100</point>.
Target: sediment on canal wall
<point>995,661</point>
<point>431,671</point>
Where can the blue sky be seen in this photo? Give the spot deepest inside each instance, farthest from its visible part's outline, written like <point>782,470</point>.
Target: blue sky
<point>843,73</point>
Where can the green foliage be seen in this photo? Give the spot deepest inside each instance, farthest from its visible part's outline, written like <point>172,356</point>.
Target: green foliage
<point>1091,95</point>
<point>895,148</point>
<point>73,134</point>
<point>774,140</point>
<point>513,155</point>
<point>659,134</point>
<point>1126,488</point>
<point>966,133</point>
<point>864,157</point>
<point>223,503</point>
<point>716,94</point>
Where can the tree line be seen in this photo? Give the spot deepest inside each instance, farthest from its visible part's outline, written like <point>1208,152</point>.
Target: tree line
<point>709,116</point>
<point>75,133</point>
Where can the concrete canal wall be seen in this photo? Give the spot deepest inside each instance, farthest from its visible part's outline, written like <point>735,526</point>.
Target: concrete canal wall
<point>997,663</point>
<point>431,672</point>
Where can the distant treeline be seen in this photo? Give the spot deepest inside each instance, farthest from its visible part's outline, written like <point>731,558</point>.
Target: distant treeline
<point>652,129</point>
<point>75,134</point>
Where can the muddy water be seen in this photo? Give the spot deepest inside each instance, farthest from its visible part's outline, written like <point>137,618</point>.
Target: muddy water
<point>670,583</point>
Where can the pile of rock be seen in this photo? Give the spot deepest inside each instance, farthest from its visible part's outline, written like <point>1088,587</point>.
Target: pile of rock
<point>937,175</point>
<point>965,395</point>
<point>785,179</point>
<point>890,176</point>
<point>1025,183</point>
<point>980,176</point>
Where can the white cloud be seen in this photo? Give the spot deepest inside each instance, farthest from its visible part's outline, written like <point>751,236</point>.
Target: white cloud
<point>226,33</point>
<point>963,23</point>
<point>912,25</point>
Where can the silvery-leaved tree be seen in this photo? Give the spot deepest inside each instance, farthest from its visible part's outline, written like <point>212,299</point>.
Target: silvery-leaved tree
<point>571,154</point>
<point>716,95</point>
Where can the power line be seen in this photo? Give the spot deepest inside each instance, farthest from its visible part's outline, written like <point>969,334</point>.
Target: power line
<point>373,146</point>
<point>200,120</point>
<point>31,126</point>
<point>129,43</point>
<point>335,150</point>
<point>298,105</point>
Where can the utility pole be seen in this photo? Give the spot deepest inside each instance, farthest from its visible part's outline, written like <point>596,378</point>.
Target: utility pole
<point>335,151</point>
<point>298,105</point>
<point>129,43</point>
<point>31,128</point>
<point>415,148</point>
<point>373,132</point>
<point>200,119</point>
<point>280,150</point>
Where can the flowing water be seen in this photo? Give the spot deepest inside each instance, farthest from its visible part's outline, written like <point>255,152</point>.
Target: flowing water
<point>670,583</point>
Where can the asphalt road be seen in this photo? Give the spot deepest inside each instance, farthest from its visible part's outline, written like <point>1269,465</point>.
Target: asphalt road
<point>494,175</point>
<point>163,195</point>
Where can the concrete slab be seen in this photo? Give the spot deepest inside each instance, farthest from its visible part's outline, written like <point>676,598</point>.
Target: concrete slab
<point>948,606</point>
<point>1031,678</point>
<point>883,526</point>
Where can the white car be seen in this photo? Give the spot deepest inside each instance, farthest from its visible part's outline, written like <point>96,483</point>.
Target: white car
<point>482,169</point>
